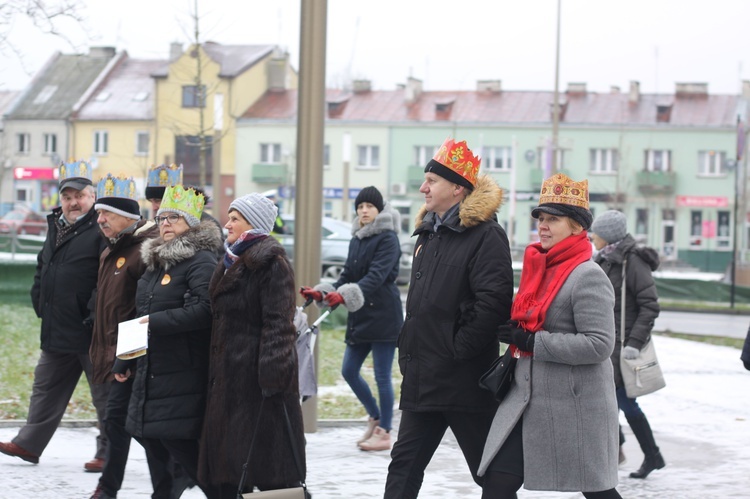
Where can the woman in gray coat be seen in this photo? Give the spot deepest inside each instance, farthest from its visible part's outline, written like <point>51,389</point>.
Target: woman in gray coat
<point>556,429</point>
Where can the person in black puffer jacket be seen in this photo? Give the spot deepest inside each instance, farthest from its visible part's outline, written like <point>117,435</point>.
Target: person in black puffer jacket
<point>367,288</point>
<point>169,389</point>
<point>611,238</point>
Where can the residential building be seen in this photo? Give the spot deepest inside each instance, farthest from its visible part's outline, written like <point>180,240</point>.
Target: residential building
<point>38,130</point>
<point>7,99</point>
<point>113,123</point>
<point>192,118</point>
<point>663,159</point>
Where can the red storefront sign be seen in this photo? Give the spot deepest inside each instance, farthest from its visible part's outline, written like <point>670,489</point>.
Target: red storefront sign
<point>22,173</point>
<point>703,201</point>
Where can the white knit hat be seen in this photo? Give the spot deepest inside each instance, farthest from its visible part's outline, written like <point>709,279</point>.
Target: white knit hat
<point>258,210</point>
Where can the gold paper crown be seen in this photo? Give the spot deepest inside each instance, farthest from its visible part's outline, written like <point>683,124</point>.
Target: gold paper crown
<point>458,157</point>
<point>561,189</point>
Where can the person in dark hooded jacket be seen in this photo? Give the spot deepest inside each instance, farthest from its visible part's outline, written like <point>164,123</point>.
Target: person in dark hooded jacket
<point>367,288</point>
<point>169,389</point>
<point>460,291</point>
<point>614,245</point>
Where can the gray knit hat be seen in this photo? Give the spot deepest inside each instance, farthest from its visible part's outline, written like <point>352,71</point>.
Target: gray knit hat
<point>258,210</point>
<point>612,226</point>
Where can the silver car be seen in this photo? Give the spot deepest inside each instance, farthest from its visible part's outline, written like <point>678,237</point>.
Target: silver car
<point>334,248</point>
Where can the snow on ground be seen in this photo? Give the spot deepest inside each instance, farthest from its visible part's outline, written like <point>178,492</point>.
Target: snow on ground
<point>701,421</point>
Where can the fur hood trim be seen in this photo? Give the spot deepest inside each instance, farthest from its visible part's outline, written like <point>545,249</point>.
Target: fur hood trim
<point>166,254</point>
<point>479,206</point>
<point>388,219</point>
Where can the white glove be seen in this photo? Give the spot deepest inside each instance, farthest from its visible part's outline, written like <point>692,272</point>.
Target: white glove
<point>631,353</point>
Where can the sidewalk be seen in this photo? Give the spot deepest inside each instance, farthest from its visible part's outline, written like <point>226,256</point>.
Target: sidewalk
<point>701,421</point>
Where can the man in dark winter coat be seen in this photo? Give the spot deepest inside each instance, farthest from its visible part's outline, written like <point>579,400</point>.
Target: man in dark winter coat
<point>460,292</point>
<point>64,282</point>
<point>120,269</point>
<point>610,236</point>
<point>745,357</point>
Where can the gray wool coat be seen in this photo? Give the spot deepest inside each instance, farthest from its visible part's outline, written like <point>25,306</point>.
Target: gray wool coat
<point>566,393</point>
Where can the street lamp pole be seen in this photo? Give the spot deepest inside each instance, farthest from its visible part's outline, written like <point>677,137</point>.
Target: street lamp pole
<point>735,234</point>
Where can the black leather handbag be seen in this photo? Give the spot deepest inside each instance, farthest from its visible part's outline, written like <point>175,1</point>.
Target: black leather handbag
<point>499,377</point>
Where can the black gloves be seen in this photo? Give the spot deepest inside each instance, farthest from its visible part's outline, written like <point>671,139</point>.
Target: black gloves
<point>512,335</point>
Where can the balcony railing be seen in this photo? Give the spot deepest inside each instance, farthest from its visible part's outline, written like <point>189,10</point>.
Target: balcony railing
<point>656,183</point>
<point>264,173</point>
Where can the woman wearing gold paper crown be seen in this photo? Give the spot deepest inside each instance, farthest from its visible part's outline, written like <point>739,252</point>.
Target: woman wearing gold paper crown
<point>556,429</point>
<point>169,391</point>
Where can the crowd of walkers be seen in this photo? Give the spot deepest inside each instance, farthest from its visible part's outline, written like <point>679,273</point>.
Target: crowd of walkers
<point>220,373</point>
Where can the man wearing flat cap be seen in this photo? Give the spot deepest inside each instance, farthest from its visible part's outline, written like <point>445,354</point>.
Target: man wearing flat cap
<point>64,283</point>
<point>460,291</point>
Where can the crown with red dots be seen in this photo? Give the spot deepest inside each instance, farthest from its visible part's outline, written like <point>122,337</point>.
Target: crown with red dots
<point>561,189</point>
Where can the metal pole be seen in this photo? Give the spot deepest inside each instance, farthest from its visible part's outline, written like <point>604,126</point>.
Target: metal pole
<point>309,185</point>
<point>346,156</point>
<point>734,235</point>
<point>556,105</point>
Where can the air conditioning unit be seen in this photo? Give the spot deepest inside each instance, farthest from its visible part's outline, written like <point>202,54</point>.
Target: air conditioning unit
<point>398,189</point>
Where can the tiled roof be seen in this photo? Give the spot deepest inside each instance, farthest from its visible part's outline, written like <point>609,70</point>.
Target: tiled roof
<point>7,98</point>
<point>506,107</point>
<point>127,93</point>
<point>59,85</point>
<point>233,59</point>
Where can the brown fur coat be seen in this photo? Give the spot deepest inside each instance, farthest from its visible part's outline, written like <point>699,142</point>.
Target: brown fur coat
<point>252,353</point>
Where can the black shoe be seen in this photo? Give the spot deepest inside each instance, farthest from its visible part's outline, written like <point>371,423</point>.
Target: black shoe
<point>99,493</point>
<point>650,463</point>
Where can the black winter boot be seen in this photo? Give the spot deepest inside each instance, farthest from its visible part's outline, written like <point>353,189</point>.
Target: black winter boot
<point>653,459</point>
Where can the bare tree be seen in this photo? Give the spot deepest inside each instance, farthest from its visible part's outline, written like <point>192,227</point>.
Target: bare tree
<point>46,16</point>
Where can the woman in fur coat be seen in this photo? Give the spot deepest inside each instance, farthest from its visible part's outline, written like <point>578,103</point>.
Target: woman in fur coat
<point>252,376</point>
<point>556,429</point>
<point>367,288</point>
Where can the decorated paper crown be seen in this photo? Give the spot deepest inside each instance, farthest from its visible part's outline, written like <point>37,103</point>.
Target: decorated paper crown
<point>561,189</point>
<point>185,202</point>
<point>459,164</point>
<point>164,175</point>
<point>118,195</point>
<point>75,174</point>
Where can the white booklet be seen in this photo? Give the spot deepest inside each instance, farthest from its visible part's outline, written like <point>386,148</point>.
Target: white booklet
<point>132,339</point>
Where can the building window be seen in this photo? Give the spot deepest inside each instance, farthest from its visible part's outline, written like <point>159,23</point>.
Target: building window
<point>423,154</point>
<point>711,163</point>
<point>24,143</point>
<point>270,154</point>
<point>326,157</point>
<point>50,143</point>
<point>497,158</point>
<point>193,96</point>
<point>641,225</point>
<point>368,157</point>
<point>723,231</point>
<point>327,209</point>
<point>603,160</point>
<point>101,142</point>
<point>696,229</point>
<point>545,156</point>
<point>141,143</point>
<point>658,160</point>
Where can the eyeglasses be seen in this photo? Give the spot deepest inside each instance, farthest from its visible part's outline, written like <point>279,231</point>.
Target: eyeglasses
<point>172,218</point>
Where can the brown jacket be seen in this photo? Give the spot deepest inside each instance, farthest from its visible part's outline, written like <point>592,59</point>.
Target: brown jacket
<point>120,268</point>
<point>252,354</point>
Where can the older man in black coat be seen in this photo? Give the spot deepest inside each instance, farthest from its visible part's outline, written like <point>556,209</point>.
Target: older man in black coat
<point>64,283</point>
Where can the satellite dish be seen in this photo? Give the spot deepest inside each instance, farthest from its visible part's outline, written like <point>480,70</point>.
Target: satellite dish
<point>94,162</point>
<point>529,155</point>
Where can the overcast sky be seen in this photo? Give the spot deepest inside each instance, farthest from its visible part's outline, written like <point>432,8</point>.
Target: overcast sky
<point>447,44</point>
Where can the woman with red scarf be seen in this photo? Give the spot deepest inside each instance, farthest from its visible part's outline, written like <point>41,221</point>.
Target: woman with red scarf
<point>556,429</point>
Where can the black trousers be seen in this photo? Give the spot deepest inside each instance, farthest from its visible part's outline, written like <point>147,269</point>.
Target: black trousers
<point>419,436</point>
<point>118,447</point>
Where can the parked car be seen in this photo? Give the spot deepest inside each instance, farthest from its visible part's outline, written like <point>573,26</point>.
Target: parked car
<point>335,248</point>
<point>23,222</point>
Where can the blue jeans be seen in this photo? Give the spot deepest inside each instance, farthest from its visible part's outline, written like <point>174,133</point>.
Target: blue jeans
<point>382,358</point>
<point>628,406</point>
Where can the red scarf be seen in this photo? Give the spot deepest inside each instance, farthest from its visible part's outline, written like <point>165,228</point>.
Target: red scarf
<point>543,274</point>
